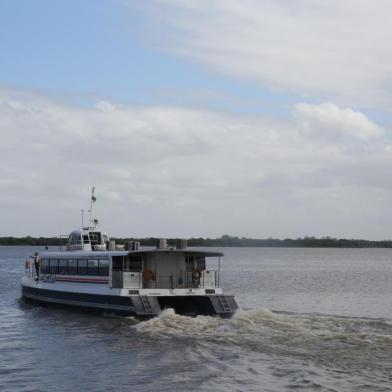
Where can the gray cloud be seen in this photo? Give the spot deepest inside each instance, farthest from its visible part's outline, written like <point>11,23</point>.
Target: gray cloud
<point>168,171</point>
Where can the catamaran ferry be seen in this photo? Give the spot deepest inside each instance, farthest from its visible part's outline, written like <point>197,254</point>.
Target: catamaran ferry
<point>95,273</point>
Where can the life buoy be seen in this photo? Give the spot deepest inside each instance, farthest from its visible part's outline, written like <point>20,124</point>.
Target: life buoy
<point>148,274</point>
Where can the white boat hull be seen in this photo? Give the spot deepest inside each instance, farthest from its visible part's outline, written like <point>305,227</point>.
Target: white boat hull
<point>139,303</point>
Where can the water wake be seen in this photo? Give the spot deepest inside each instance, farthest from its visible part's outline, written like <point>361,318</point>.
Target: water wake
<point>262,330</point>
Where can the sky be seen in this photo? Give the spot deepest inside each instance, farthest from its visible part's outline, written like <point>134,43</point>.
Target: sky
<point>259,118</point>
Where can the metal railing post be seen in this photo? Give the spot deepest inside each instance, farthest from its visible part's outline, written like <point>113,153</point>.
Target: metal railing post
<point>219,272</point>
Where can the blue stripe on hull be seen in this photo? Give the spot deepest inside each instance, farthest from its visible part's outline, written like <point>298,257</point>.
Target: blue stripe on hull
<point>113,303</point>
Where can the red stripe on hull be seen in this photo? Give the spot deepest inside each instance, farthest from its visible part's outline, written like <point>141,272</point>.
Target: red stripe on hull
<point>81,280</point>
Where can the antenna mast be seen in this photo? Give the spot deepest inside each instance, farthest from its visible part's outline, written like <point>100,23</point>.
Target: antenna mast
<point>93,199</point>
<point>82,219</point>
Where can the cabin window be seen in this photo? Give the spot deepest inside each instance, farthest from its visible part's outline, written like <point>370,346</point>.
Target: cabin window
<point>75,267</point>
<point>72,266</point>
<point>198,262</point>
<point>54,266</point>
<point>75,239</point>
<point>134,263</point>
<point>95,238</point>
<point>92,267</point>
<point>103,267</point>
<point>45,266</point>
<point>118,263</point>
<point>86,239</point>
<point>63,266</point>
<point>82,267</point>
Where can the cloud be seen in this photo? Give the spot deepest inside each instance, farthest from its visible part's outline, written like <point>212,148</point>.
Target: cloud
<point>337,49</point>
<point>168,171</point>
<point>329,118</point>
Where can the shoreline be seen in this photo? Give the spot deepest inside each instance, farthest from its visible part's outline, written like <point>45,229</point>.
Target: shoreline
<point>224,241</point>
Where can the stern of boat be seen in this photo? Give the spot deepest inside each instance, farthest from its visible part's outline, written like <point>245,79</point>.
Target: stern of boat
<point>198,305</point>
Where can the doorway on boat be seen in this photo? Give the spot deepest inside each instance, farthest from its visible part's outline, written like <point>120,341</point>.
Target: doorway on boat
<point>195,266</point>
<point>127,271</point>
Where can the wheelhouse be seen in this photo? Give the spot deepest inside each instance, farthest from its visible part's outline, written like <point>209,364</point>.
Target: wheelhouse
<point>87,240</point>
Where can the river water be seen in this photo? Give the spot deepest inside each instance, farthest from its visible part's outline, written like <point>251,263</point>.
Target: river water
<point>310,320</point>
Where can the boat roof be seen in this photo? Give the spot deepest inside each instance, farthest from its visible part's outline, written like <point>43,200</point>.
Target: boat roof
<point>105,254</point>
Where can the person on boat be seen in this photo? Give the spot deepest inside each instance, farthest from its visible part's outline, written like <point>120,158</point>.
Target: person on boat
<point>148,274</point>
<point>196,275</point>
<point>149,278</point>
<point>36,265</point>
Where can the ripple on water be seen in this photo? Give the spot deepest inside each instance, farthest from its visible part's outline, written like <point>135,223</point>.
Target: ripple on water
<point>44,348</point>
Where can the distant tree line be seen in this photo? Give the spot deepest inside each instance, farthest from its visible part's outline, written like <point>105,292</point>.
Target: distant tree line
<point>223,241</point>
<point>306,242</point>
<point>33,241</point>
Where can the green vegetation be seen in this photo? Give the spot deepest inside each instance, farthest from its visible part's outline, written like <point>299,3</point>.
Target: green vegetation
<point>224,241</point>
<point>33,241</point>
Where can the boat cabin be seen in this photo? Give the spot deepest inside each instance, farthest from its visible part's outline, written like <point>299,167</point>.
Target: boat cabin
<point>165,269</point>
<point>87,240</point>
<point>134,270</point>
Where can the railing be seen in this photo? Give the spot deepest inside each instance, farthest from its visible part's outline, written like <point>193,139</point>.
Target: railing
<point>30,269</point>
<point>134,280</point>
<point>173,281</point>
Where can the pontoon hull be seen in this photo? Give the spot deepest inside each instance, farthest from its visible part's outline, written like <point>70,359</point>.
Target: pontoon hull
<point>140,306</point>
